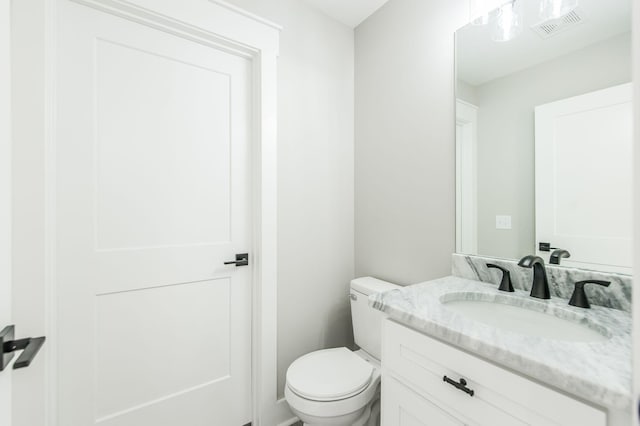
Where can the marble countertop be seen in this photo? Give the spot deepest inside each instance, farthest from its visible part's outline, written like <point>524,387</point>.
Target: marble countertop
<point>599,372</point>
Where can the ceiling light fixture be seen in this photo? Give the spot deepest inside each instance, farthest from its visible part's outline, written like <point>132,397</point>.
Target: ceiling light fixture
<point>508,22</point>
<point>479,12</point>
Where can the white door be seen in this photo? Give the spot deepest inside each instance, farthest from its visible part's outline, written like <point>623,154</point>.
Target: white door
<point>584,176</point>
<point>153,175</point>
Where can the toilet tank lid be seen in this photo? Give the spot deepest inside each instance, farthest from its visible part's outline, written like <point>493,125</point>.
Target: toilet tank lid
<point>370,285</point>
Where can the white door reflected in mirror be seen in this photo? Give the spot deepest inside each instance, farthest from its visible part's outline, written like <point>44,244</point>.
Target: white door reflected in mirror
<point>584,176</point>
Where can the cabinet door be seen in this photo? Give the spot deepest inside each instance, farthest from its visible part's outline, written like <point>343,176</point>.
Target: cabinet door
<point>403,407</point>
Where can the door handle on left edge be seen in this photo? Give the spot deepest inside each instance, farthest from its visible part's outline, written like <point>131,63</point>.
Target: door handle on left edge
<point>29,346</point>
<point>242,259</point>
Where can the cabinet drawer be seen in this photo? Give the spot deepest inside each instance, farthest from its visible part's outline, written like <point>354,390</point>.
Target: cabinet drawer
<point>503,397</point>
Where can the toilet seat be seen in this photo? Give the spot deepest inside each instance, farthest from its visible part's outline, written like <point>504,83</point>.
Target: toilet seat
<point>342,407</point>
<point>329,375</point>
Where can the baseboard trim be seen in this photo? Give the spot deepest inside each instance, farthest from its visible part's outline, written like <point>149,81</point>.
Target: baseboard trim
<point>289,422</point>
<point>284,415</point>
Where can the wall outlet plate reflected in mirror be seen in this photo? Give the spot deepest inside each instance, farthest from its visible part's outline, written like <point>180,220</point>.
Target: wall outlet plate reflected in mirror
<point>503,222</point>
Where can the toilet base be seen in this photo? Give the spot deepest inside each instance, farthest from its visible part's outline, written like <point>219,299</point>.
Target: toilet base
<point>367,416</point>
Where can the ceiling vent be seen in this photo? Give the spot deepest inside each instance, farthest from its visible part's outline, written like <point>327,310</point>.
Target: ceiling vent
<point>549,28</point>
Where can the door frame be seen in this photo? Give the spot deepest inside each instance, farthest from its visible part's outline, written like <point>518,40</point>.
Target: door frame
<point>235,31</point>
<point>5,196</point>
<point>466,189</point>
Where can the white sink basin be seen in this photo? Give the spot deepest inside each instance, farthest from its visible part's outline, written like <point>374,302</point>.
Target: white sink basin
<point>528,317</point>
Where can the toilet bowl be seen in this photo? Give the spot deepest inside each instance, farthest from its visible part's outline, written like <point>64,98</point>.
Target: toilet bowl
<point>333,387</point>
<point>340,387</point>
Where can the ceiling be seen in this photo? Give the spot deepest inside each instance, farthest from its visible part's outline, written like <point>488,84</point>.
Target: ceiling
<point>480,59</point>
<point>349,12</point>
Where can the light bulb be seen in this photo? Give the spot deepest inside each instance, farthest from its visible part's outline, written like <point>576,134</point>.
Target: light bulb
<point>554,9</point>
<point>478,12</point>
<point>481,20</point>
<point>508,22</point>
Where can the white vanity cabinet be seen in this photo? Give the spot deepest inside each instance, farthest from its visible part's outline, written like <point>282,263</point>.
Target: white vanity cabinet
<point>415,394</point>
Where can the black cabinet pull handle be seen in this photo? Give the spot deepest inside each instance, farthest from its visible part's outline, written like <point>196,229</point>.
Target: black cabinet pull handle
<point>242,259</point>
<point>29,346</point>
<point>462,385</point>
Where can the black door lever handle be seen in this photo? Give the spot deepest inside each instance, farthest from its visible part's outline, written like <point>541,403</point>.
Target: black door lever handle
<point>242,259</point>
<point>29,346</point>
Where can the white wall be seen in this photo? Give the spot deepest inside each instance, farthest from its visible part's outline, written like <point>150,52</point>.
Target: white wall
<point>5,198</point>
<point>506,136</point>
<point>466,92</point>
<point>315,183</point>
<point>405,142</point>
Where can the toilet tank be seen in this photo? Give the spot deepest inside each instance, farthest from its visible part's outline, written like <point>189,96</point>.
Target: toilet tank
<point>367,321</point>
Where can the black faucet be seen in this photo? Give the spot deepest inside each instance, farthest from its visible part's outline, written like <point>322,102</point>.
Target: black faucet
<point>558,254</point>
<point>540,287</point>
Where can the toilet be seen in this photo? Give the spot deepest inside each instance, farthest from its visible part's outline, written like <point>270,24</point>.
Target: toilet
<point>340,387</point>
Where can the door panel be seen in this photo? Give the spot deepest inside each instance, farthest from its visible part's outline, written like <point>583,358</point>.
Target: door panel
<point>153,167</point>
<point>166,329</point>
<point>182,163</point>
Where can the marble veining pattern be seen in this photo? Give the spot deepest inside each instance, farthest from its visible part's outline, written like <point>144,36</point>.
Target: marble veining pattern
<point>599,372</point>
<point>561,279</point>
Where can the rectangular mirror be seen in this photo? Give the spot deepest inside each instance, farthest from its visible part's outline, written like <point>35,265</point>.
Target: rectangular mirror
<point>544,133</point>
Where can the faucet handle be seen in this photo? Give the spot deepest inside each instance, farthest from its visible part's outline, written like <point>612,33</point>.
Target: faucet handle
<point>579,297</point>
<point>505,283</point>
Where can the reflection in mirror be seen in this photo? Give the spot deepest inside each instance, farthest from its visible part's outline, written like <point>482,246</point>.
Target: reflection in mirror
<point>544,133</point>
